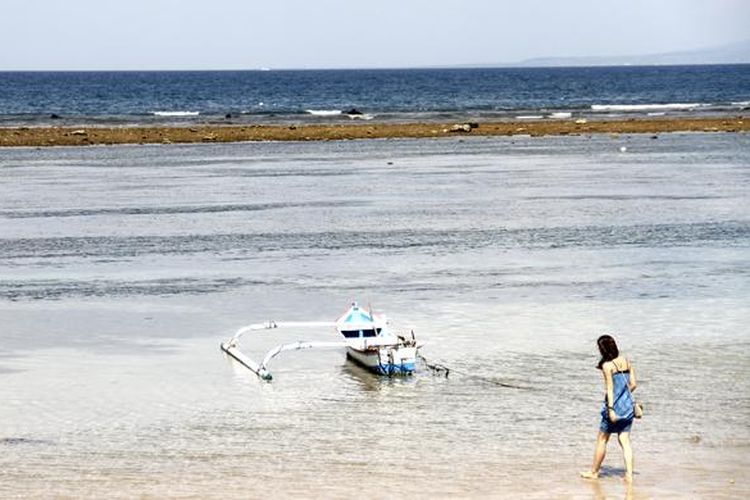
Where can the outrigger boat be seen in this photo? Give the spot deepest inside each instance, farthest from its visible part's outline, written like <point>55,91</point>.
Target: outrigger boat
<point>367,338</point>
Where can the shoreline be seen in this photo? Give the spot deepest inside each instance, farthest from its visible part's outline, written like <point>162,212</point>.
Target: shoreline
<point>84,136</point>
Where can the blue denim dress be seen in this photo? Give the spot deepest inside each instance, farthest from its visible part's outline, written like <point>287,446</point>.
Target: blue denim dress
<point>623,405</point>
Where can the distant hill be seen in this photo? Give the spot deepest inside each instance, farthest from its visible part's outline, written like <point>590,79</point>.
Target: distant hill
<point>734,53</point>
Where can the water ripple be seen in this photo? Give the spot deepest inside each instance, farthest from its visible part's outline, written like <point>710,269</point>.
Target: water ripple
<point>445,241</point>
<point>57,289</point>
<point>166,210</point>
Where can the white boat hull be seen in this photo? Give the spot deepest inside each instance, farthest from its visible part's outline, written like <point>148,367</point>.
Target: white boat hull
<point>386,360</point>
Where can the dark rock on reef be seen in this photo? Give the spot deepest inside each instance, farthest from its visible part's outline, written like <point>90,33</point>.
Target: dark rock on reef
<point>353,111</point>
<point>55,116</point>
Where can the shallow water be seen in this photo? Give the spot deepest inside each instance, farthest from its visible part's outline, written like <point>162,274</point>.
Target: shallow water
<point>123,268</point>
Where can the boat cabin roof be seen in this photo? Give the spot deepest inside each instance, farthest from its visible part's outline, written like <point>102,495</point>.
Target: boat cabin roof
<point>357,318</point>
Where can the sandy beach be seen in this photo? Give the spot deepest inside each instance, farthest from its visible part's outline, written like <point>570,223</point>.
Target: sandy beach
<point>81,136</point>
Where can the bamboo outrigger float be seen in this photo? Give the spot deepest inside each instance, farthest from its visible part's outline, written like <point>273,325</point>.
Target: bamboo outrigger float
<point>367,338</point>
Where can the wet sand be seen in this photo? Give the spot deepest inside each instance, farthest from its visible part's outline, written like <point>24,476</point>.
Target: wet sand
<point>81,136</point>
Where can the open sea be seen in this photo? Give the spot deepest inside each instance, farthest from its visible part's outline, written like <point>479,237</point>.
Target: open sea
<point>122,269</point>
<point>268,97</point>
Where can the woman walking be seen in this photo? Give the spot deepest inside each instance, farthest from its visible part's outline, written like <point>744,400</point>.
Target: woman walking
<point>618,408</point>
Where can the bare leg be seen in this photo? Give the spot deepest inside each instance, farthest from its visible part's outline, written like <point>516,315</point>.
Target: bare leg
<point>627,453</point>
<point>601,450</point>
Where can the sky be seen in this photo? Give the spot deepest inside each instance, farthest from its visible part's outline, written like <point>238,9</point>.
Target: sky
<point>251,34</point>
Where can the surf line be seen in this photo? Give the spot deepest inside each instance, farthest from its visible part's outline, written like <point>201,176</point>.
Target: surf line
<point>442,369</point>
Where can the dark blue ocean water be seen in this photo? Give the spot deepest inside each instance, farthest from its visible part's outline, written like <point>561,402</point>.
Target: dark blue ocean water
<point>268,96</point>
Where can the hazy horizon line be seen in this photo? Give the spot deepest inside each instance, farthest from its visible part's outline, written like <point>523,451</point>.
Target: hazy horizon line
<point>518,65</point>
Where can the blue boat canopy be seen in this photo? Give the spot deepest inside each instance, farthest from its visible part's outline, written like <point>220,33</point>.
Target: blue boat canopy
<point>355,315</point>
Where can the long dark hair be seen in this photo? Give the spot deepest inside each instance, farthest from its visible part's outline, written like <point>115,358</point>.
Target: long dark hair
<point>607,348</point>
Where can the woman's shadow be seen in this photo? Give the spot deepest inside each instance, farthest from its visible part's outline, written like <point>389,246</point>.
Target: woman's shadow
<point>608,471</point>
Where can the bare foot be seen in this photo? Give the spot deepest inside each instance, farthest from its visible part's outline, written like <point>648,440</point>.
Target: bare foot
<point>590,475</point>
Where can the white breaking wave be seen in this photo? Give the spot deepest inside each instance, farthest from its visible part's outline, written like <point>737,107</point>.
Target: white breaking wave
<point>365,116</point>
<point>324,112</point>
<point>176,113</point>
<point>741,103</point>
<point>561,115</point>
<point>656,113</point>
<point>529,117</point>
<point>646,107</point>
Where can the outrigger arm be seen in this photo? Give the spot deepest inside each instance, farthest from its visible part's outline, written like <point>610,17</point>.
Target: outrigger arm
<point>295,346</point>
<point>261,369</point>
